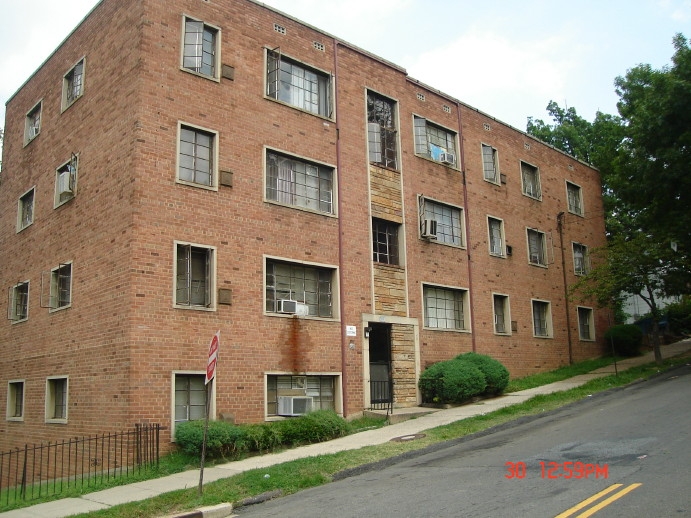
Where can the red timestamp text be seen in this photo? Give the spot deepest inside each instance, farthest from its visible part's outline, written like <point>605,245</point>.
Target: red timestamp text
<point>555,470</point>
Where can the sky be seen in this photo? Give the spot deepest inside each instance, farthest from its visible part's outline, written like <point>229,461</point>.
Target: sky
<point>507,58</point>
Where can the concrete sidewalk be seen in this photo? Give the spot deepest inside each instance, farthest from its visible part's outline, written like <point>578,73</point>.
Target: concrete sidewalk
<point>190,479</point>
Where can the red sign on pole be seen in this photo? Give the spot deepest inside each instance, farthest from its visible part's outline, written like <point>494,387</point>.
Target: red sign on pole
<point>213,357</point>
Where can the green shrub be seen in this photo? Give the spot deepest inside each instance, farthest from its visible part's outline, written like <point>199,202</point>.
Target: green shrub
<point>451,381</point>
<point>318,426</point>
<point>626,339</point>
<point>263,437</point>
<point>496,375</point>
<point>223,439</point>
<point>679,317</point>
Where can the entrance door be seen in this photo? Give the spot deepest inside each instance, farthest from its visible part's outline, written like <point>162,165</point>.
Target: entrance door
<point>381,387</point>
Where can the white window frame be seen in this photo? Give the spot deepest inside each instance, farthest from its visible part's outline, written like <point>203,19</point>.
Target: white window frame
<point>549,330</point>
<point>211,403</point>
<point>578,211</point>
<point>66,172</point>
<point>337,397</point>
<point>213,185</point>
<point>333,270</point>
<point>275,89</point>
<point>12,313</point>
<point>591,323</point>
<point>298,191</point>
<point>541,258</point>
<point>378,148</point>
<point>10,414</point>
<point>585,259</point>
<point>465,308</point>
<point>68,84</point>
<point>506,307</point>
<point>51,399</point>
<point>447,232</point>
<point>496,179</point>
<point>493,251</point>
<point>33,124</point>
<point>26,218</point>
<point>210,290</point>
<point>529,189</point>
<point>424,145</point>
<point>216,76</point>
<point>53,287</point>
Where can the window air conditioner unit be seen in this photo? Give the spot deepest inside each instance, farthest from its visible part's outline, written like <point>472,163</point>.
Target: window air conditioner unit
<point>429,228</point>
<point>447,158</point>
<point>294,405</point>
<point>288,306</point>
<point>65,183</point>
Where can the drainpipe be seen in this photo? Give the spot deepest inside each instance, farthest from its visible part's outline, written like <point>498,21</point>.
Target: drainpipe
<point>560,229</point>
<point>467,228</point>
<point>341,290</point>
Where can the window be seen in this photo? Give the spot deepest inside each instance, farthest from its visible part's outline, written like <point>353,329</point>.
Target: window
<point>432,141</point>
<point>299,183</point>
<point>190,397</point>
<point>449,221</point>
<point>18,307</point>
<point>309,285</point>
<point>290,82</point>
<point>573,193</point>
<point>580,259</point>
<point>445,308</point>
<point>490,165</point>
<point>542,319</point>
<point>15,400</point>
<point>381,131</point>
<point>501,314</point>
<point>56,399</point>
<point>531,181</point>
<point>32,125</point>
<point>60,287</point>
<point>66,181</point>
<point>196,159</point>
<point>319,390</point>
<point>73,84</point>
<point>25,210</point>
<point>536,247</point>
<point>384,241</point>
<point>586,328</point>
<point>194,274</point>
<point>200,48</point>
<point>496,236</point>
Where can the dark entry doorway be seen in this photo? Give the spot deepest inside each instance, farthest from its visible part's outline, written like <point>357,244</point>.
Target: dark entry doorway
<point>381,386</point>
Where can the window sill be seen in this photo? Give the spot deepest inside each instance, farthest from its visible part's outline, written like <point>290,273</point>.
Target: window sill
<point>445,330</point>
<point>15,419</point>
<point>198,185</point>
<point>20,321</point>
<point>546,337</point>
<point>195,308</point>
<point>538,265</point>
<point>20,229</point>
<point>307,317</point>
<point>579,214</point>
<point>502,334</point>
<point>493,182</point>
<point>56,421</point>
<point>215,79</point>
<point>499,256</point>
<point>53,310</point>
<point>301,110</point>
<point>536,198</point>
<point>67,106</point>
<point>303,209</point>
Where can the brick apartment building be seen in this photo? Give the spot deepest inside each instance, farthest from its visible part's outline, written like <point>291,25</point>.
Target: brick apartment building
<point>182,167</point>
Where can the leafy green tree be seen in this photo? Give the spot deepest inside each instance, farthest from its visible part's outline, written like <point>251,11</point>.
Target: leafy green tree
<point>631,264</point>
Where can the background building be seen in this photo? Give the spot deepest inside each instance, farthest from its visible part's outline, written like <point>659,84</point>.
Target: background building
<point>178,168</point>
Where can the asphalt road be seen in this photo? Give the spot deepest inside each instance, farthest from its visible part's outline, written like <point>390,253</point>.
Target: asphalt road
<point>623,453</point>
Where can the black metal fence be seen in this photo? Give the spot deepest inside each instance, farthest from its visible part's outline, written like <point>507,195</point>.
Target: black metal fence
<point>47,469</point>
<point>381,395</point>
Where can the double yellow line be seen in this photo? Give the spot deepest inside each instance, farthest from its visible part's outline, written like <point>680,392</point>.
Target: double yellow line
<point>594,498</point>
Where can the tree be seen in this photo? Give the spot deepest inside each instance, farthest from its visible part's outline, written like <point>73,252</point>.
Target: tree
<point>631,264</point>
<point>651,172</point>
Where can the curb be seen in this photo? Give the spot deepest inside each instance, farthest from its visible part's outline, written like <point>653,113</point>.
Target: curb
<point>215,511</point>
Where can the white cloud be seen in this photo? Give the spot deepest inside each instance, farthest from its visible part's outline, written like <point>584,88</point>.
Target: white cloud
<point>494,74</point>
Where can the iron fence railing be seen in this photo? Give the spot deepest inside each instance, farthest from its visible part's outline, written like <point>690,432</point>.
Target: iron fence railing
<point>47,469</point>
<point>381,395</point>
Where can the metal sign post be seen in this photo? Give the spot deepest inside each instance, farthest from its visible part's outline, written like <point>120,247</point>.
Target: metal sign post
<point>210,375</point>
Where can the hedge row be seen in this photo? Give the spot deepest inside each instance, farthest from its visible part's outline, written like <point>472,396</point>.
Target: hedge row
<point>227,440</point>
<point>625,339</point>
<point>466,376</point>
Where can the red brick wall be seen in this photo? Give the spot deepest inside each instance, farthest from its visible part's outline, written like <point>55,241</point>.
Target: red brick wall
<point>122,338</point>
